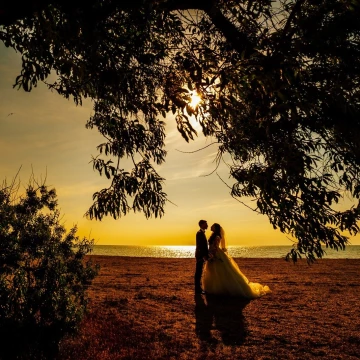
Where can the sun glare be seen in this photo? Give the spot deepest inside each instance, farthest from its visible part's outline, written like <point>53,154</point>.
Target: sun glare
<point>195,100</point>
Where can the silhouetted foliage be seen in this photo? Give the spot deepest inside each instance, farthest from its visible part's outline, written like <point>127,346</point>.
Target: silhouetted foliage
<point>43,274</point>
<point>279,83</point>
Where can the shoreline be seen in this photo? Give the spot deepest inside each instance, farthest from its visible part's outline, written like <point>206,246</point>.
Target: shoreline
<point>145,308</point>
<point>187,252</point>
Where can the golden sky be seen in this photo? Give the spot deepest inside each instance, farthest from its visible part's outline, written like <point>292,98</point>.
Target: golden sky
<point>47,133</point>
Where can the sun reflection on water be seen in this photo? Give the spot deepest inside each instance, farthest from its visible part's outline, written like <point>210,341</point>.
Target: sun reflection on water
<point>173,251</point>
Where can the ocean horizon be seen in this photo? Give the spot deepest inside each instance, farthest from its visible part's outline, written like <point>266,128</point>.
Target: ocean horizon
<point>179,251</point>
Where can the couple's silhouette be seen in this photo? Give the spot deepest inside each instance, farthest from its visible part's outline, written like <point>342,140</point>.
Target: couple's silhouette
<point>216,271</point>
<point>227,289</point>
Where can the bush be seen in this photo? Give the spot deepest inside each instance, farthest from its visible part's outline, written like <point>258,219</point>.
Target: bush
<point>43,274</point>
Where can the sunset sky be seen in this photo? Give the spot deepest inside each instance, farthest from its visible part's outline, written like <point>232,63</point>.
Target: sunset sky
<point>43,131</point>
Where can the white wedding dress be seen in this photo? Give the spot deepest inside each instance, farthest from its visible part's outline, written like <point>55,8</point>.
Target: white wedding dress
<point>222,276</point>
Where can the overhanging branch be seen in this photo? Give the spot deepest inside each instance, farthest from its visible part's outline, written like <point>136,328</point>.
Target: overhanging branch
<point>11,11</point>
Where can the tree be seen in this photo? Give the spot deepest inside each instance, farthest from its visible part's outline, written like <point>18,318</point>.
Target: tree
<point>43,274</point>
<point>279,83</point>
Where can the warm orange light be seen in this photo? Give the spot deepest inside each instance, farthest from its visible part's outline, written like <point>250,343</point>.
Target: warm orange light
<point>195,100</point>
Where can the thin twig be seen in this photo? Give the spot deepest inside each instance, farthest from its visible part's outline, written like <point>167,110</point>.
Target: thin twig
<point>217,166</point>
<point>16,175</point>
<point>241,202</point>
<point>191,152</point>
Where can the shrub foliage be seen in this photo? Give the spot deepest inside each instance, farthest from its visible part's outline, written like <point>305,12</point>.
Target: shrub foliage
<point>43,274</point>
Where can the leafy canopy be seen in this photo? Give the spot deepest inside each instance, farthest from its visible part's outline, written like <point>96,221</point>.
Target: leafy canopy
<point>279,83</point>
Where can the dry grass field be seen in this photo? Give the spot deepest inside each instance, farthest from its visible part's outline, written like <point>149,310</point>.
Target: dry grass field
<point>145,308</point>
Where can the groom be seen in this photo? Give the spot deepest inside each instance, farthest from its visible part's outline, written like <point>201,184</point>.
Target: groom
<point>201,255</point>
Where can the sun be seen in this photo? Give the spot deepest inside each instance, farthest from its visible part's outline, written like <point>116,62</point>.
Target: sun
<point>195,99</point>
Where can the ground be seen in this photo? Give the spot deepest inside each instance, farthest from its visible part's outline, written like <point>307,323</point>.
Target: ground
<point>145,308</point>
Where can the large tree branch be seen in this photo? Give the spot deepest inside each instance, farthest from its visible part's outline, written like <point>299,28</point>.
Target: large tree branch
<point>237,39</point>
<point>10,12</point>
<point>295,10</point>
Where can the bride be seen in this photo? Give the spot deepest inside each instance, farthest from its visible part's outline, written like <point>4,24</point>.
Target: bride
<point>222,275</point>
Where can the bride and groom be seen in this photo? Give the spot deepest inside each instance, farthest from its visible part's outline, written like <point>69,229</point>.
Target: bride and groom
<point>216,272</point>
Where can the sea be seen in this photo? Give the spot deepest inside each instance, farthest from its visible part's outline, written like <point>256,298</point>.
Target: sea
<point>183,252</point>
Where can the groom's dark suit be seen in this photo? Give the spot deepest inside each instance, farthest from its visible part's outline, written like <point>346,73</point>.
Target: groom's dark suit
<point>201,253</point>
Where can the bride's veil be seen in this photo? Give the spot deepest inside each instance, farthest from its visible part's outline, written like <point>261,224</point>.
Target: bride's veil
<point>222,241</point>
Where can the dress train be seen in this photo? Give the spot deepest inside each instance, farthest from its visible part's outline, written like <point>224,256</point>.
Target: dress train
<point>222,276</point>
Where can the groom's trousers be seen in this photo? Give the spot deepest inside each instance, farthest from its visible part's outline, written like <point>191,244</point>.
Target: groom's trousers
<point>198,274</point>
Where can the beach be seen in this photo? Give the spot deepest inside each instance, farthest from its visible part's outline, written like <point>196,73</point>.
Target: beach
<point>145,308</point>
